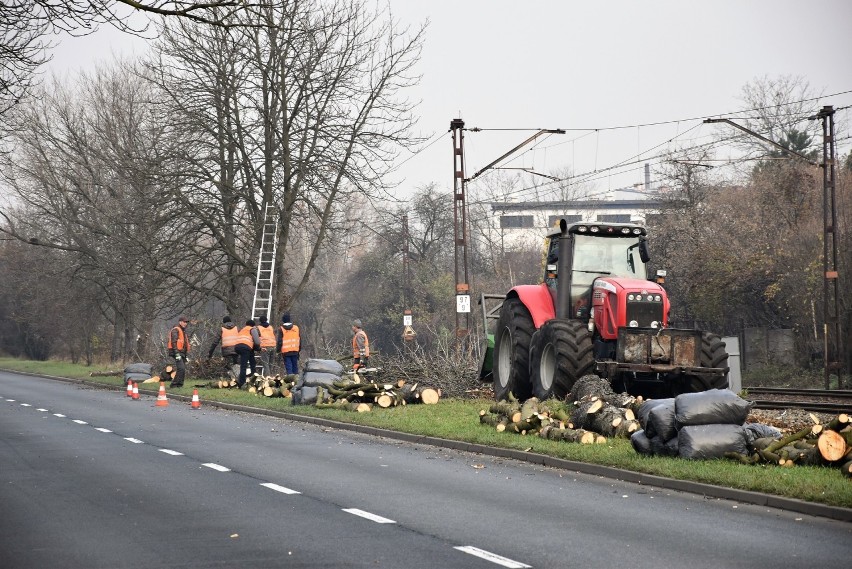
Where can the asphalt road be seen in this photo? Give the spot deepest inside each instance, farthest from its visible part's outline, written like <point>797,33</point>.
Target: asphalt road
<point>91,479</point>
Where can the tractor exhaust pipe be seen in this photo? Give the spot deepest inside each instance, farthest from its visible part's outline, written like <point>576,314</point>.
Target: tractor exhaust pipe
<point>563,273</point>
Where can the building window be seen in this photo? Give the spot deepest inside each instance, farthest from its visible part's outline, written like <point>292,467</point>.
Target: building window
<point>516,221</point>
<point>569,219</point>
<point>615,218</point>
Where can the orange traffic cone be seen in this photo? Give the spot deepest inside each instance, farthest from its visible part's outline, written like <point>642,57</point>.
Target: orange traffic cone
<point>196,403</point>
<point>130,388</point>
<point>135,391</point>
<point>162,400</point>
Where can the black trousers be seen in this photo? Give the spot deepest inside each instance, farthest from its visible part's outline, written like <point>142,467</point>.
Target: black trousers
<point>246,355</point>
<point>180,371</point>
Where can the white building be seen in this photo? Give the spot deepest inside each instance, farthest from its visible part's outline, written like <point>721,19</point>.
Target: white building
<point>525,223</point>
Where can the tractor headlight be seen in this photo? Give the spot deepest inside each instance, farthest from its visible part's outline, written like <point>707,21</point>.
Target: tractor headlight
<point>636,231</point>
<point>625,230</point>
<point>582,229</point>
<point>655,324</point>
<point>630,297</point>
<point>658,298</point>
<point>633,324</point>
<point>595,229</point>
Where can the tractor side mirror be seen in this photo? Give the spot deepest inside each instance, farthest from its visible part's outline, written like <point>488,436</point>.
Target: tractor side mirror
<point>643,251</point>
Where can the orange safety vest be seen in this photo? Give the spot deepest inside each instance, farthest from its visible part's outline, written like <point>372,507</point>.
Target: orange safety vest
<point>182,345</point>
<point>229,337</point>
<point>356,352</point>
<point>244,336</point>
<point>267,336</point>
<point>290,340</point>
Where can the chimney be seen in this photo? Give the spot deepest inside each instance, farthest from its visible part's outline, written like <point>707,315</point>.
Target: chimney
<point>647,177</point>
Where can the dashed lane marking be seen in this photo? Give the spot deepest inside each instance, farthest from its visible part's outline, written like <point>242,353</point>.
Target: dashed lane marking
<point>278,488</point>
<point>135,441</point>
<point>79,422</point>
<point>215,466</point>
<point>10,400</point>
<point>171,452</point>
<point>42,410</point>
<point>493,557</point>
<point>25,405</point>
<point>101,429</point>
<point>368,515</point>
<point>58,415</point>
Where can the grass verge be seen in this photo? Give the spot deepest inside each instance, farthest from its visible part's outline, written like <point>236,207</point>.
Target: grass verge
<point>458,419</point>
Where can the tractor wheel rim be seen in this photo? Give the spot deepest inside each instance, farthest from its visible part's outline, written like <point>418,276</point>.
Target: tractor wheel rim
<point>547,366</point>
<point>504,361</point>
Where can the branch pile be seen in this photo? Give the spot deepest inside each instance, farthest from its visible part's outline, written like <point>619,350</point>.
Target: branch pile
<point>828,444</point>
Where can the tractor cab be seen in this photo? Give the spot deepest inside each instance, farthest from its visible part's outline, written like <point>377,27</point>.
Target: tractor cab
<point>614,250</point>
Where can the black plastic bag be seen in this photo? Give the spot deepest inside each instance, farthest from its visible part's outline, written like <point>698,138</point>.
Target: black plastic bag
<point>318,379</point>
<point>645,409</point>
<point>324,366</point>
<point>661,421</point>
<point>711,441</point>
<point>712,407</point>
<point>640,442</point>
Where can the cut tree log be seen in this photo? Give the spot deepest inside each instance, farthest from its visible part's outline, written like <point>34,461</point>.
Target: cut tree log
<point>846,469</point>
<point>832,445</point>
<point>429,395</point>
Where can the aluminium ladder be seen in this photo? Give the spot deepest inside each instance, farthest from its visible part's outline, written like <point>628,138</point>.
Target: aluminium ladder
<point>262,303</point>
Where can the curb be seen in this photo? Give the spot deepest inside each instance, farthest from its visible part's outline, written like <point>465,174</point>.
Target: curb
<point>699,488</point>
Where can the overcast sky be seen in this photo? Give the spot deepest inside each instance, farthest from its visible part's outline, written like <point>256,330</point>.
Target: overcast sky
<point>510,64</point>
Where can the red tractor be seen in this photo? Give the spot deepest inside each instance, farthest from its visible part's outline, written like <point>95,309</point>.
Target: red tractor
<point>596,312</point>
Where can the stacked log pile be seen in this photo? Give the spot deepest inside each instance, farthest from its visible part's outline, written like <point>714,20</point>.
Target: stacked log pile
<point>359,393</point>
<point>596,413</point>
<point>266,385</point>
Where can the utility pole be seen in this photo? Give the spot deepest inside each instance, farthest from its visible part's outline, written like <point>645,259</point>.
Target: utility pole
<point>831,311</point>
<point>460,216</point>
<point>460,231</point>
<point>407,331</point>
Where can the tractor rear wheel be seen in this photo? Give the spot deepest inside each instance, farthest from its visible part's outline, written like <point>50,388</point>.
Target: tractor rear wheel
<point>512,351</point>
<point>713,354</point>
<point>561,354</point>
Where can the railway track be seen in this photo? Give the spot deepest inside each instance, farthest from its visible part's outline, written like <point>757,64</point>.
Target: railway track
<point>832,401</point>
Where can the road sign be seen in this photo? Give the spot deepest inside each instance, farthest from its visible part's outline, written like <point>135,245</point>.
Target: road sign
<point>462,303</point>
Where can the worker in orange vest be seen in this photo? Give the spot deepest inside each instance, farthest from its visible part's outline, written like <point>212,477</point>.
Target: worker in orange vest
<point>178,348</point>
<point>360,346</point>
<point>289,344</point>
<point>248,338</point>
<point>228,338</point>
<point>267,344</point>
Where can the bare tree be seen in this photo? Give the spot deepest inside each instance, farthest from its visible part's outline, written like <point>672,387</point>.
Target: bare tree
<point>28,25</point>
<point>301,107</point>
<point>85,175</point>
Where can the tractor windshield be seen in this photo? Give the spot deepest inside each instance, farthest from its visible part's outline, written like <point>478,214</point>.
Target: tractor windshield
<point>597,256</point>
<point>611,256</point>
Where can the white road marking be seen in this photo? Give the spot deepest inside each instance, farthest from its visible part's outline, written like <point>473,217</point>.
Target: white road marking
<point>101,429</point>
<point>492,557</point>
<point>171,452</point>
<point>215,466</point>
<point>278,488</point>
<point>58,415</point>
<point>42,410</point>
<point>10,400</point>
<point>79,422</point>
<point>369,516</point>
<point>132,440</point>
<point>25,405</point>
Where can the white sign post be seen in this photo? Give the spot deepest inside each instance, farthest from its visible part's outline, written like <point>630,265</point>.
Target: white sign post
<point>462,303</point>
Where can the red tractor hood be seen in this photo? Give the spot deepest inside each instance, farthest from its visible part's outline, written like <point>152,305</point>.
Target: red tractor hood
<point>616,284</point>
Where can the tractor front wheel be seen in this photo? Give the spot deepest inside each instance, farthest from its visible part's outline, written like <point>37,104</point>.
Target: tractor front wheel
<point>561,353</point>
<point>512,351</point>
